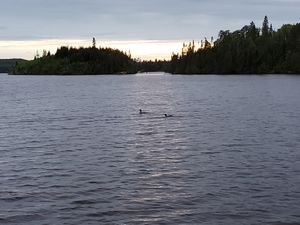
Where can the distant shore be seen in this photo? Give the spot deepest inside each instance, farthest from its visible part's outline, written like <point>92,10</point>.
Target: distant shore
<point>73,61</point>
<point>250,51</point>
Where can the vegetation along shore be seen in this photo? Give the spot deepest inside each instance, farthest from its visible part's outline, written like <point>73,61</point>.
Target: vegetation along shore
<point>250,50</point>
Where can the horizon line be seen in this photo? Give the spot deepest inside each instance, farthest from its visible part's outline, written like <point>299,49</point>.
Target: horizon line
<point>146,49</point>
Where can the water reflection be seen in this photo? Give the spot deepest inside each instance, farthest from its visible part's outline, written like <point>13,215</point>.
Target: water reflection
<point>75,150</point>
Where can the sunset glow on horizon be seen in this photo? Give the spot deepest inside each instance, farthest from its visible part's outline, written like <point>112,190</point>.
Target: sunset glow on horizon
<point>139,49</point>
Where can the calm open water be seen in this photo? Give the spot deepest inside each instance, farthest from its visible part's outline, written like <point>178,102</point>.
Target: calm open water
<point>74,150</point>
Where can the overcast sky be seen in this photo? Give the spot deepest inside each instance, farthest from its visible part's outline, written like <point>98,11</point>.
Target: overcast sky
<point>129,20</point>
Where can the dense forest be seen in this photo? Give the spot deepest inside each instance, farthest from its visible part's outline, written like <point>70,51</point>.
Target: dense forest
<point>78,61</point>
<point>153,66</point>
<point>250,50</point>
<point>7,64</point>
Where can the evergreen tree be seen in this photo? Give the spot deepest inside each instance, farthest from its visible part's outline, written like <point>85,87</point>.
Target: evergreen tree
<point>265,27</point>
<point>271,30</point>
<point>245,52</point>
<point>94,42</point>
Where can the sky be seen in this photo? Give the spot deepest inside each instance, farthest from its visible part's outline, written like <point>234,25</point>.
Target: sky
<point>148,28</point>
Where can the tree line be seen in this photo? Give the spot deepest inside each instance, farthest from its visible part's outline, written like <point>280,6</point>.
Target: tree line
<point>7,64</point>
<point>250,50</point>
<point>78,61</point>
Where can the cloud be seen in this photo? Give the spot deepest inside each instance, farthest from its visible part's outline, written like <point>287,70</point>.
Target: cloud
<point>136,19</point>
<point>120,20</point>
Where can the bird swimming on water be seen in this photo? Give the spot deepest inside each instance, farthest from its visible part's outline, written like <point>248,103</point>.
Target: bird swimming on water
<point>166,115</point>
<point>142,112</point>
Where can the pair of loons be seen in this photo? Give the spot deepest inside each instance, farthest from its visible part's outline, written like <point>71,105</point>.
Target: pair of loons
<point>166,115</point>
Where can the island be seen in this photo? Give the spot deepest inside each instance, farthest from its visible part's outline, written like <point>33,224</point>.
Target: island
<point>78,61</point>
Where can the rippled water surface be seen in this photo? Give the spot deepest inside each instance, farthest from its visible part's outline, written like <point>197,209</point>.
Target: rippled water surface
<point>74,150</point>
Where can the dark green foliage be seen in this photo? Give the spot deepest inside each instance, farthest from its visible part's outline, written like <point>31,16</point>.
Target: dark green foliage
<point>7,64</point>
<point>245,51</point>
<point>74,61</point>
<point>153,66</point>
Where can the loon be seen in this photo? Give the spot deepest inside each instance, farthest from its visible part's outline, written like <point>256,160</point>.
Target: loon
<point>142,112</point>
<point>166,115</point>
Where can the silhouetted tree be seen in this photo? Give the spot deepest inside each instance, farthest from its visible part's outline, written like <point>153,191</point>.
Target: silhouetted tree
<point>265,27</point>
<point>94,42</point>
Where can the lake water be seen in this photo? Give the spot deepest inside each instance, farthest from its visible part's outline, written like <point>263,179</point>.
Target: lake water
<point>74,150</point>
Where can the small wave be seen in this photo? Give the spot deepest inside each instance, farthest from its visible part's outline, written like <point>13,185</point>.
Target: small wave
<point>23,218</point>
<point>84,202</point>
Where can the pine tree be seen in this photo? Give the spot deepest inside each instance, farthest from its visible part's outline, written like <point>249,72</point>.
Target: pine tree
<point>94,42</point>
<point>271,29</point>
<point>265,28</point>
